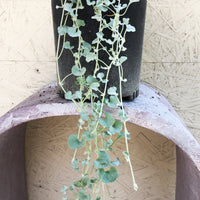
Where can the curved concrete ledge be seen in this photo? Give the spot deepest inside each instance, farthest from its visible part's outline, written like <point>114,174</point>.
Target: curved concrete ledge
<point>149,110</point>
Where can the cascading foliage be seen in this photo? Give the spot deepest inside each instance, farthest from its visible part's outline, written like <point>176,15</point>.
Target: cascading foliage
<point>98,129</point>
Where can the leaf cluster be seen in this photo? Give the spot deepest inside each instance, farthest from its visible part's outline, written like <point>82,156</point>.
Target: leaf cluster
<point>98,130</point>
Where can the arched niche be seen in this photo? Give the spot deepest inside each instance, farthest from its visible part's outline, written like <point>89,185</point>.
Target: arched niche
<point>149,111</point>
<point>48,161</point>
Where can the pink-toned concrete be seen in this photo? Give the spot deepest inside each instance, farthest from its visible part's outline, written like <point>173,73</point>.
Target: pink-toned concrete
<point>149,110</point>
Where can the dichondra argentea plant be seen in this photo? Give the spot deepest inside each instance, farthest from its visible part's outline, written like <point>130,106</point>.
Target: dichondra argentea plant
<point>98,129</point>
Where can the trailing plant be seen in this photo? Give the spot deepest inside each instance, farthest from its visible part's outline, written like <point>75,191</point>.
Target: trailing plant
<point>98,129</point>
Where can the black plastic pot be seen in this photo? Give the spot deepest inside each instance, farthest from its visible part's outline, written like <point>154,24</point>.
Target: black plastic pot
<point>134,43</point>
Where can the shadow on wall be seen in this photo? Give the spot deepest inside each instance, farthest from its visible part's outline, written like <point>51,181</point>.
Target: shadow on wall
<point>48,162</point>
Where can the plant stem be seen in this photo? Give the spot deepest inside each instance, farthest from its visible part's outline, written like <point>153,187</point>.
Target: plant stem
<point>126,131</point>
<point>58,46</point>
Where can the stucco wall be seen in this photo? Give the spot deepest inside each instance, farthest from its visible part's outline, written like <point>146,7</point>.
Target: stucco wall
<point>170,60</point>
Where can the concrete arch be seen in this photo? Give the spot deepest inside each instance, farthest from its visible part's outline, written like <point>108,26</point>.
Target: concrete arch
<point>150,110</point>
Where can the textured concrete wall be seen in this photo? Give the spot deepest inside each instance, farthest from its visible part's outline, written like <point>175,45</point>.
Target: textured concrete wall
<point>170,60</point>
<point>26,49</point>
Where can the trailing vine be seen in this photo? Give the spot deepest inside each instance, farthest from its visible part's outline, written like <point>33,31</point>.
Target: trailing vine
<point>98,130</point>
